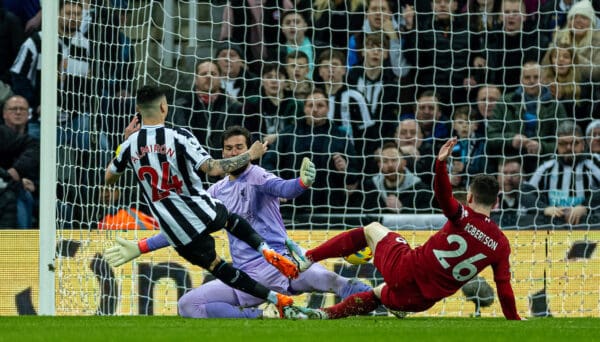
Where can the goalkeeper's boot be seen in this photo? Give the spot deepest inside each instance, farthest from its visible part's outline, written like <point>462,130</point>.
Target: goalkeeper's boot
<point>283,264</point>
<point>284,304</point>
<point>293,312</point>
<point>268,310</point>
<point>298,255</point>
<point>312,313</point>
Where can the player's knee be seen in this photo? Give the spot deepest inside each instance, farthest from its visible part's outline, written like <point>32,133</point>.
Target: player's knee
<point>188,307</point>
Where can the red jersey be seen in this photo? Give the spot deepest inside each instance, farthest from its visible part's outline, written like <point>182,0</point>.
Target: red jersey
<point>467,244</point>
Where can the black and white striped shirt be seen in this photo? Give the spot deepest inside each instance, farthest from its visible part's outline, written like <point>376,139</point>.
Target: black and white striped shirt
<point>567,186</point>
<point>165,161</point>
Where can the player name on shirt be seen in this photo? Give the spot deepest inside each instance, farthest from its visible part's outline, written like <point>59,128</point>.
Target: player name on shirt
<point>481,236</point>
<point>156,148</point>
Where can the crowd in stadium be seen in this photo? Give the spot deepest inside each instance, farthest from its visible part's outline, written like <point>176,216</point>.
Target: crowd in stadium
<point>368,89</point>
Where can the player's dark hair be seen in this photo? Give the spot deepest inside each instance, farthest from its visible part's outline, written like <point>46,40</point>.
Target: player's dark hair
<point>235,131</point>
<point>148,94</point>
<point>485,189</point>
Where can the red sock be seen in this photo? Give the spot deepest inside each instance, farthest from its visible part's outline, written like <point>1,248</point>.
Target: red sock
<point>340,245</point>
<point>357,304</point>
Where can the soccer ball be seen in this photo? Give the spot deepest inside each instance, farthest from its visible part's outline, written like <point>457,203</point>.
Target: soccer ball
<point>361,257</point>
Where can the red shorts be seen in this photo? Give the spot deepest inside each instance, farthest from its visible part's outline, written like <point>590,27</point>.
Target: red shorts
<point>401,291</point>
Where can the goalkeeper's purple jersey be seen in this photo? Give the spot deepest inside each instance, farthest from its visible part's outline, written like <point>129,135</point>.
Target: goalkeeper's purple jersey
<point>254,195</point>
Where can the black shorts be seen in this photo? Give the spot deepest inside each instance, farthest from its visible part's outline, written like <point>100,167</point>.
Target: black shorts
<point>201,251</point>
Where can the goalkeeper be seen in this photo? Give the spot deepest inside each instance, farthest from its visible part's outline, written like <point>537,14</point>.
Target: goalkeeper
<point>253,193</point>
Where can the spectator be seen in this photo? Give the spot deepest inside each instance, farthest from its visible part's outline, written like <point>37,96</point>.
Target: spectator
<point>208,111</point>
<point>417,152</point>
<point>112,49</point>
<point>25,73</point>
<point>347,107</point>
<point>553,15</point>
<point>379,88</point>
<point>513,42</point>
<point>524,122</point>
<point>487,97</point>
<point>517,205</point>
<point>327,146</point>
<point>563,79</point>
<point>569,182</point>
<point>380,21</point>
<point>592,134</point>
<point>237,81</point>
<point>468,155</point>
<point>16,115</point>
<point>581,33</point>
<point>434,124</point>
<point>11,38</point>
<point>271,111</point>
<point>335,21</point>
<point>483,15</point>
<point>254,27</point>
<point>294,27</point>
<point>19,163</point>
<point>28,11</point>
<point>483,18</point>
<point>457,50</point>
<point>298,74</point>
<point>394,189</point>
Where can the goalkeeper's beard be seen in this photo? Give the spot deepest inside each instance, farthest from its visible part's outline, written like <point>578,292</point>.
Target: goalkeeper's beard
<point>239,171</point>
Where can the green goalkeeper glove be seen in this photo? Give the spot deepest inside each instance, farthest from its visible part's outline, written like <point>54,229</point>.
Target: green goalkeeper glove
<point>307,172</point>
<point>121,253</point>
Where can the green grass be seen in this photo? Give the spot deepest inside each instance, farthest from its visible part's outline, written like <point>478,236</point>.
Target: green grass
<point>158,328</point>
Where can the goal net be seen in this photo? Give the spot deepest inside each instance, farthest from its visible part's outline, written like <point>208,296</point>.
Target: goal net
<point>388,78</point>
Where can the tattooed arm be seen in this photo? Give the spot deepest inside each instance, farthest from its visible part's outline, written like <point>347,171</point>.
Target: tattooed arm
<point>220,167</point>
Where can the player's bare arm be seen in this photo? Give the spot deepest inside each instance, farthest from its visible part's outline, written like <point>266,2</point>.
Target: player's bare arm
<point>219,167</point>
<point>110,178</point>
<point>446,150</point>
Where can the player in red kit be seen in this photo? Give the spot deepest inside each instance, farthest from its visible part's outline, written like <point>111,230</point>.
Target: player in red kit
<point>415,279</point>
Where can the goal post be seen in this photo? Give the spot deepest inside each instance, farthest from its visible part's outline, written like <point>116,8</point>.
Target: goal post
<point>48,200</point>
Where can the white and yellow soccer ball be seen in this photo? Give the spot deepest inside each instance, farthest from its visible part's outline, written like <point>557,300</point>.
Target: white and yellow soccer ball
<point>361,257</point>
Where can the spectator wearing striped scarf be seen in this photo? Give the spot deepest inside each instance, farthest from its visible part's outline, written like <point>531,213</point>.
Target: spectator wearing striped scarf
<point>568,184</point>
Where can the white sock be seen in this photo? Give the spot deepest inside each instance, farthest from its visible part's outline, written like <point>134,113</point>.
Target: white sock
<point>272,297</point>
<point>262,247</point>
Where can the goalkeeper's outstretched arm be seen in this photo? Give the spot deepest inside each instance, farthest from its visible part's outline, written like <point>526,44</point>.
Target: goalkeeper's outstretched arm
<point>125,250</point>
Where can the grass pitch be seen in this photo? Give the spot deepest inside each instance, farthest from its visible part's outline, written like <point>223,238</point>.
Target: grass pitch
<point>169,328</point>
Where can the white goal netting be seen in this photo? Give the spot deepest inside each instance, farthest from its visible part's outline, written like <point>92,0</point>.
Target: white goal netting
<point>398,79</point>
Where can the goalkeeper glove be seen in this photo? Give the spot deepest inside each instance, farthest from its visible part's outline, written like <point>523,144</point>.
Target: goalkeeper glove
<point>307,172</point>
<point>121,253</point>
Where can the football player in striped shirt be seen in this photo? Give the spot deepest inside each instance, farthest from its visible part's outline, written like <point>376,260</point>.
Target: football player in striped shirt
<point>166,162</point>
